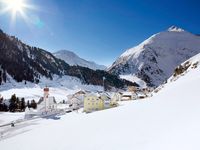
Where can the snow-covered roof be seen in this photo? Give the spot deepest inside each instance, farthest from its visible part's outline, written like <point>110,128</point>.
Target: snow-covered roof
<point>92,94</point>
<point>127,94</point>
<point>106,94</point>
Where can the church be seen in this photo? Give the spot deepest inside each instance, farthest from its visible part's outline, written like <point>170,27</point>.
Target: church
<point>47,103</point>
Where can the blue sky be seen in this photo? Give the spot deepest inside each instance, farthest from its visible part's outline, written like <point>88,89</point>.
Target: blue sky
<point>99,30</point>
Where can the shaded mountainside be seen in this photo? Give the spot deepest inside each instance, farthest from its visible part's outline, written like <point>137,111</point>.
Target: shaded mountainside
<point>74,60</point>
<point>155,59</point>
<point>25,63</point>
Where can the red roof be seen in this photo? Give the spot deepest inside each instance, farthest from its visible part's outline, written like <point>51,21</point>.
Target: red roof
<point>46,89</point>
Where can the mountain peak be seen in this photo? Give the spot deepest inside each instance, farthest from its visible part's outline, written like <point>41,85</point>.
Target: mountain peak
<point>67,52</point>
<point>147,61</point>
<point>73,60</point>
<point>175,29</point>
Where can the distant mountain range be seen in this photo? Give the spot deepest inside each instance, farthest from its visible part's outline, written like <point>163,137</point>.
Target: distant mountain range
<point>149,64</point>
<point>21,62</point>
<point>74,60</point>
<point>155,59</point>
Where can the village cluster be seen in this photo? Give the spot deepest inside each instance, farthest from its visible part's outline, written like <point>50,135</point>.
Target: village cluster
<point>84,100</point>
<point>81,101</point>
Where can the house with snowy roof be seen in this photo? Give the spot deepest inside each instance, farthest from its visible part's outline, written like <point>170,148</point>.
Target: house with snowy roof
<point>115,98</point>
<point>76,100</point>
<point>93,102</point>
<point>106,99</point>
<point>128,96</point>
<point>98,101</point>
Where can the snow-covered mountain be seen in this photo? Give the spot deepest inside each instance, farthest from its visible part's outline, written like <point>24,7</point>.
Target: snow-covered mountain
<point>20,62</point>
<point>167,121</point>
<point>185,67</point>
<point>74,60</point>
<point>155,59</point>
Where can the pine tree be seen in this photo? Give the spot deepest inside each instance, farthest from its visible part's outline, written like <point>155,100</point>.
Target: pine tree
<point>17,104</point>
<point>28,104</point>
<point>33,104</point>
<point>12,106</point>
<point>1,104</point>
<point>23,104</point>
<point>5,107</point>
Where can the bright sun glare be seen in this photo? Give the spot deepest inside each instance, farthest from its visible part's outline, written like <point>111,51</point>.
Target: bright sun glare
<point>16,8</point>
<point>15,5</point>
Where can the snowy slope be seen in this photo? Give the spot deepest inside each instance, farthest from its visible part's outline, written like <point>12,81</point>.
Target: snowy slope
<point>167,121</point>
<point>60,87</point>
<point>134,78</point>
<point>6,117</point>
<point>155,59</point>
<point>74,60</point>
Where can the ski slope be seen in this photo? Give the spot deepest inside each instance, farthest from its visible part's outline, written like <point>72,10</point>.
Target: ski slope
<point>167,121</point>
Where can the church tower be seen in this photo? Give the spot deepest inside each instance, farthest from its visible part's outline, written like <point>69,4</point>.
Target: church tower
<point>46,95</point>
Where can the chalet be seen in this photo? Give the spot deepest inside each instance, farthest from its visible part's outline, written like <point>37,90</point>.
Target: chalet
<point>133,89</point>
<point>128,96</point>
<point>93,102</point>
<point>75,103</point>
<point>76,100</point>
<point>115,98</point>
<point>141,95</point>
<point>106,99</point>
<point>99,101</point>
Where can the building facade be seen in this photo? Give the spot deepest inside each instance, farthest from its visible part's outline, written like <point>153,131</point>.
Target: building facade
<point>93,102</point>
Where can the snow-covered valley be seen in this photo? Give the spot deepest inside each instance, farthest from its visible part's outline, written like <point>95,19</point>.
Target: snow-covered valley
<point>99,75</point>
<point>169,121</point>
<point>60,87</point>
